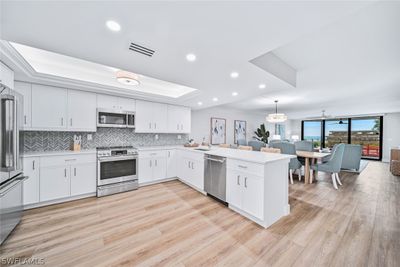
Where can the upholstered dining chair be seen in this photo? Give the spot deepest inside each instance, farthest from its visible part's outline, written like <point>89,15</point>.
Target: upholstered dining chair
<point>256,145</point>
<point>270,150</point>
<point>241,142</point>
<point>290,149</point>
<point>224,145</point>
<point>332,166</point>
<point>245,148</point>
<point>303,145</point>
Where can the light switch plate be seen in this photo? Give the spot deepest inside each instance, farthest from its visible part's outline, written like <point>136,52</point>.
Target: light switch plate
<point>89,137</point>
<point>179,137</point>
<point>156,137</point>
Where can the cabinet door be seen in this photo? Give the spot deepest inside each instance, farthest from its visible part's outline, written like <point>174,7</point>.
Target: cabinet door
<point>234,183</point>
<point>81,111</point>
<point>186,120</point>
<point>126,104</point>
<point>6,76</point>
<point>186,170</point>
<point>197,173</point>
<point>31,185</point>
<point>49,107</point>
<point>54,183</point>
<point>25,89</point>
<point>107,101</point>
<point>159,168</point>
<point>253,195</point>
<point>160,116</point>
<point>83,179</point>
<point>174,124</point>
<point>145,171</point>
<point>171,163</point>
<point>144,117</point>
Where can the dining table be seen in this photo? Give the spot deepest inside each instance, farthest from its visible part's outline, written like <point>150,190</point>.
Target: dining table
<point>310,158</point>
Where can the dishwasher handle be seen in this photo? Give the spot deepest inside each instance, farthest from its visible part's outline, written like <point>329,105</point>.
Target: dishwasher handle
<point>216,160</point>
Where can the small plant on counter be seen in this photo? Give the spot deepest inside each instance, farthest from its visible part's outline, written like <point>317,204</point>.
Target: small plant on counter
<point>261,134</point>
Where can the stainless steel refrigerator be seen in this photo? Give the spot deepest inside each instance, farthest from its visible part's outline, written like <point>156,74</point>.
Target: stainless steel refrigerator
<point>11,172</point>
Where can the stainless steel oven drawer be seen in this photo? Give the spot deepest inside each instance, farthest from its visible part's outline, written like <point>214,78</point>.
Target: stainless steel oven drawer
<point>105,190</point>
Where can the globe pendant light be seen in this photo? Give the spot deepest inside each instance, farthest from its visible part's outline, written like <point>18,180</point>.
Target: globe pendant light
<point>276,117</point>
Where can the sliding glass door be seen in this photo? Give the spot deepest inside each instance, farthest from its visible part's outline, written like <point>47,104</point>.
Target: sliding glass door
<point>367,132</point>
<point>336,132</point>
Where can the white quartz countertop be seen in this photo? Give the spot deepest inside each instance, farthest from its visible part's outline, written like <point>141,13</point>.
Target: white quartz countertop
<point>250,156</point>
<point>147,148</point>
<point>58,153</point>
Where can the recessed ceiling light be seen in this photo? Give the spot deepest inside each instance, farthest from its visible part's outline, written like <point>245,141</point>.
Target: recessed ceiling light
<point>199,103</point>
<point>262,86</point>
<point>234,93</point>
<point>113,25</point>
<point>190,57</point>
<point>215,99</point>
<point>234,75</point>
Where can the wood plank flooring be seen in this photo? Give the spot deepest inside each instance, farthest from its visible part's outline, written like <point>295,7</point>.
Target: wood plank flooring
<point>170,224</point>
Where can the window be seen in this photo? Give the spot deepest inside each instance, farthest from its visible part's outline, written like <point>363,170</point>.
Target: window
<point>366,132</point>
<point>312,130</point>
<point>336,132</point>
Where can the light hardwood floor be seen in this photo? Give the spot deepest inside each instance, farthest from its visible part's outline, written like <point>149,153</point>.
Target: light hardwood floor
<point>170,224</point>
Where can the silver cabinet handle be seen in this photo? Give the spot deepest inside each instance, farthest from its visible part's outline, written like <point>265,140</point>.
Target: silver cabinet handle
<point>62,121</point>
<point>238,180</point>
<point>24,119</point>
<point>65,172</point>
<point>155,125</point>
<point>243,167</point>
<point>150,163</point>
<point>74,171</point>
<point>149,125</point>
<point>70,122</point>
<point>181,126</point>
<point>155,163</point>
<point>33,165</point>
<point>192,165</point>
<point>245,182</point>
<point>177,126</point>
<point>189,164</point>
<point>169,154</point>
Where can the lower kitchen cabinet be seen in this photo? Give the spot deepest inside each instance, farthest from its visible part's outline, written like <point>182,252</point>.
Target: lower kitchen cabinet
<point>83,179</point>
<point>171,163</point>
<point>192,170</point>
<point>54,183</point>
<point>31,185</point>
<point>152,166</point>
<point>244,191</point>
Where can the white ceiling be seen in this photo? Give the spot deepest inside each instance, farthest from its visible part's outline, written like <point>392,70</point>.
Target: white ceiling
<point>332,46</point>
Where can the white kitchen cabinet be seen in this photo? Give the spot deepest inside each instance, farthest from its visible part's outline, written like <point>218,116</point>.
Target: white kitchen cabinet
<point>114,102</point>
<point>234,183</point>
<point>31,185</point>
<point>171,163</point>
<point>6,76</point>
<point>54,183</point>
<point>83,179</point>
<point>192,169</point>
<point>179,119</point>
<point>150,117</point>
<point>25,89</point>
<point>81,111</point>
<point>49,107</point>
<point>152,166</point>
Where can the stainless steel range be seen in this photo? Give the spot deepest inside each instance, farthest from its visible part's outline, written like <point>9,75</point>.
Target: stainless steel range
<point>116,170</point>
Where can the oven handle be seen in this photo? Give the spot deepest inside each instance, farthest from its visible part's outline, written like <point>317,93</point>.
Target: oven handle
<point>117,158</point>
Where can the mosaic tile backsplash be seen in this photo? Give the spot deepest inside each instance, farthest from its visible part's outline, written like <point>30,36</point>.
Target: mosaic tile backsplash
<point>54,141</point>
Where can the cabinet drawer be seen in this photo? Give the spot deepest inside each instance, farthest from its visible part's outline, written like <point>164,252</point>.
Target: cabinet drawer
<point>244,166</point>
<point>51,161</point>
<point>152,153</point>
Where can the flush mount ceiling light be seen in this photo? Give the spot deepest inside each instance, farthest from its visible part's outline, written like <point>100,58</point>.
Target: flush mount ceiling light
<point>262,86</point>
<point>127,78</point>
<point>190,57</point>
<point>234,93</point>
<point>215,99</point>
<point>234,75</point>
<point>200,103</point>
<point>113,25</point>
<point>276,117</point>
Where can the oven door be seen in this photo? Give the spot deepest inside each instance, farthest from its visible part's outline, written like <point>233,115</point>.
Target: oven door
<point>111,170</point>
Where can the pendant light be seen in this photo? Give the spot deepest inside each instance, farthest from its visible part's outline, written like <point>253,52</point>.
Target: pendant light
<point>276,117</point>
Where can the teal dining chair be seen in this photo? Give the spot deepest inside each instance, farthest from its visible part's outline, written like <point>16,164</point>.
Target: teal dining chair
<point>289,149</point>
<point>332,166</point>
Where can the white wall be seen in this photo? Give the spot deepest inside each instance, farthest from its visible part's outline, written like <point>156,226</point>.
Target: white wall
<point>201,123</point>
<point>391,134</point>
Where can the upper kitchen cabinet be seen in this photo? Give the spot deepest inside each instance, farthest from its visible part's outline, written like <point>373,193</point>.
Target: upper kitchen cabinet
<point>114,102</point>
<point>81,111</point>
<point>49,108</point>
<point>25,89</point>
<point>6,76</point>
<point>151,117</point>
<point>179,119</point>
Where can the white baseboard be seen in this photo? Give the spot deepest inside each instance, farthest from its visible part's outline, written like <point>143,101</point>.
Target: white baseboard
<point>58,201</point>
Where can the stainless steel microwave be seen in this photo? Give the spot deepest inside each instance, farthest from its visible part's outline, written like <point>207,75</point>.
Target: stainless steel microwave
<point>115,118</point>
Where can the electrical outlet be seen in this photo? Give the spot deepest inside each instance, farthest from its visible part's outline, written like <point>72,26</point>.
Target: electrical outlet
<point>89,137</point>
<point>156,137</point>
<point>179,137</point>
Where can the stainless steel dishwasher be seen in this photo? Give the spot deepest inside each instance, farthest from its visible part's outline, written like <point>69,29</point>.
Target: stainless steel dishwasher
<point>215,176</point>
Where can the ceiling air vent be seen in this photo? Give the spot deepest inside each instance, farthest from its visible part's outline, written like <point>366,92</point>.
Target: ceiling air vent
<point>141,49</point>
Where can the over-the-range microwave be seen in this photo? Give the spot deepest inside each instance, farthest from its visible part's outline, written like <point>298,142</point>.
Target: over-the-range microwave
<point>115,118</point>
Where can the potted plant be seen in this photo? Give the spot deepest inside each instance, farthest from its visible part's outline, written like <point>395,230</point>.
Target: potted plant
<point>261,134</point>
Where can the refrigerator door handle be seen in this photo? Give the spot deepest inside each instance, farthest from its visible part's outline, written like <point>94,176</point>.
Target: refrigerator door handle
<point>8,131</point>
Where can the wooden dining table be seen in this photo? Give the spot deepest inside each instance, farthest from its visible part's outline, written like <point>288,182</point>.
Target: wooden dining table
<point>310,157</point>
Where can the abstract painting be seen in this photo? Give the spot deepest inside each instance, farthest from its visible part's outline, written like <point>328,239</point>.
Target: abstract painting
<point>218,131</point>
<point>239,131</point>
